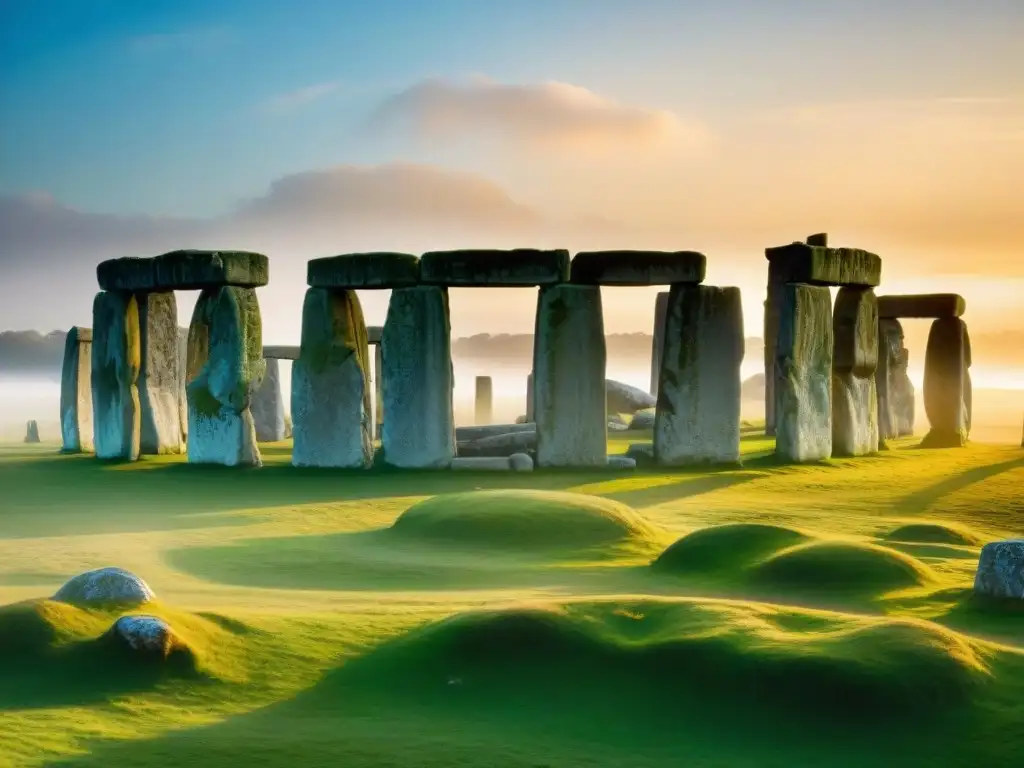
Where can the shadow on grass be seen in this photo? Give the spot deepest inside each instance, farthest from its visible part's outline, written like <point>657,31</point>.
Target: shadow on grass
<point>684,486</point>
<point>919,501</point>
<point>994,618</point>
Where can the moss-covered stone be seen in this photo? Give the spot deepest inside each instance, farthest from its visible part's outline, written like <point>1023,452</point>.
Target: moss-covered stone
<point>159,380</point>
<point>76,392</point>
<point>184,270</point>
<point>855,429</point>
<point>922,305</point>
<point>637,267</point>
<point>819,265</point>
<point>364,270</point>
<point>116,359</point>
<point>495,268</point>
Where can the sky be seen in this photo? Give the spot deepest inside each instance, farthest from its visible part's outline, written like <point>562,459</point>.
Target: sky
<point>310,128</point>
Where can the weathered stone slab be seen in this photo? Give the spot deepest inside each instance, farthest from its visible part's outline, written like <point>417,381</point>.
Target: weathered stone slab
<point>225,366</point>
<point>698,411</point>
<point>419,423</point>
<point>569,359</point>
<point>499,445</point>
<point>159,380</point>
<point>803,374</point>
<point>1001,570</point>
<point>854,362</point>
<point>364,270</point>
<point>923,305</point>
<point>76,392</point>
<point>330,384</point>
<point>820,265</point>
<point>624,398</point>
<point>637,267</point>
<point>484,400</point>
<point>658,340</point>
<point>482,463</point>
<point>267,406</point>
<point>945,388</point>
<point>896,395</point>
<point>116,359</point>
<point>468,434</point>
<point>621,462</point>
<point>512,268</point>
<point>184,270</point>
<point>281,352</point>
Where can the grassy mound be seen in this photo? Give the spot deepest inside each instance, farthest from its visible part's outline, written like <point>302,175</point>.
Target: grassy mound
<point>725,547</point>
<point>934,533</point>
<point>523,520</point>
<point>841,568</point>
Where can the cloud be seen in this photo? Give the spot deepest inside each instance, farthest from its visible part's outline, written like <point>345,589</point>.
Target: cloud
<point>550,115</point>
<point>299,97</point>
<point>203,39</point>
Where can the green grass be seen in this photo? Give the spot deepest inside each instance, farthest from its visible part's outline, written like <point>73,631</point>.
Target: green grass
<point>762,616</point>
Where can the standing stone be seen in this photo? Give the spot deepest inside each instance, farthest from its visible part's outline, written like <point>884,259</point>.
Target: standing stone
<point>946,386</point>
<point>116,359</point>
<point>855,360</point>
<point>159,375</point>
<point>1000,571</point>
<point>484,411</point>
<point>32,432</point>
<point>378,389</point>
<point>529,394</point>
<point>698,413</point>
<point>569,360</point>
<point>419,424</point>
<point>268,406</point>
<point>182,378</point>
<point>896,397</point>
<point>803,374</point>
<point>76,392</point>
<point>330,385</point>
<point>225,367</point>
<point>658,340</point>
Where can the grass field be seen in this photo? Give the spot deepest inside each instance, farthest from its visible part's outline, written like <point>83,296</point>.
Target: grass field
<point>762,616</point>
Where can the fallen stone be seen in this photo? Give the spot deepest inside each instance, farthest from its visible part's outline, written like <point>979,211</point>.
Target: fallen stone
<point>76,392</point>
<point>331,408</point>
<point>569,360</point>
<point>698,413</point>
<point>280,352</point>
<point>513,268</point>
<point>658,339</point>
<point>148,636</point>
<point>469,434</point>
<point>484,400</point>
<point>521,462</point>
<point>803,375</point>
<point>267,406</point>
<point>225,367</point>
<point>617,426</point>
<point>820,265</point>
<point>618,419</point>
<point>500,445</point>
<point>364,270</point>
<point>624,398</point>
<point>855,429</point>
<point>643,419</point>
<point>186,270</point>
<point>1001,569</point>
<point>485,463</point>
<point>637,268</point>
<point>32,432</point>
<point>923,305</point>
<point>945,389</point>
<point>419,424</point>
<point>105,585</point>
<point>159,381</point>
<point>621,462</point>
<point>116,359</point>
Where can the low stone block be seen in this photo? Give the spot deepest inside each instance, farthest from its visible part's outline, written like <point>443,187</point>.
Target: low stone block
<point>419,424</point>
<point>484,400</point>
<point>569,360</point>
<point>116,359</point>
<point>621,462</point>
<point>185,270</point>
<point>698,412</point>
<point>225,366</point>
<point>658,340</point>
<point>499,445</point>
<point>1001,570</point>
<point>803,374</point>
<point>280,352</point>
<point>159,380</point>
<point>855,360</point>
<point>946,384</point>
<point>482,463</point>
<point>924,305</point>
<point>267,406</point>
<point>384,270</point>
<point>637,267</point>
<point>76,392</point>
<point>513,268</point>
<point>521,462</point>
<point>331,385</point>
<point>468,434</point>
<point>819,265</point>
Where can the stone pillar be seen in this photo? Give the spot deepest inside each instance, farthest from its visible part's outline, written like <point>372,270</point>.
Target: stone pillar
<point>76,392</point>
<point>419,424</point>
<point>698,413</point>
<point>225,367</point>
<point>484,410</point>
<point>159,375</point>
<point>569,360</point>
<point>895,389</point>
<point>658,339</point>
<point>116,359</point>
<point>947,389</point>
<point>772,310</point>
<point>268,406</point>
<point>182,378</point>
<point>378,389</point>
<point>530,415</point>
<point>330,383</point>
<point>854,363</point>
<point>803,374</point>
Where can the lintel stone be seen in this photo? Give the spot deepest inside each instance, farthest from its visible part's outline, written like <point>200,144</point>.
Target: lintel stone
<point>373,334</point>
<point>185,270</point>
<point>922,305</point>
<point>636,268</point>
<point>519,267</point>
<point>820,265</point>
<point>281,352</point>
<point>382,270</point>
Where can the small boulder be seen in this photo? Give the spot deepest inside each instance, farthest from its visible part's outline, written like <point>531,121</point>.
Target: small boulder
<point>521,462</point>
<point>623,398</point>
<point>621,462</point>
<point>32,432</point>
<point>105,585</point>
<point>1001,569</point>
<point>643,419</point>
<point>146,635</point>
<point>617,426</point>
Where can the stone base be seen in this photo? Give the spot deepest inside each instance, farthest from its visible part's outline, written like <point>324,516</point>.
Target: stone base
<point>226,437</point>
<point>939,438</point>
<point>854,415</point>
